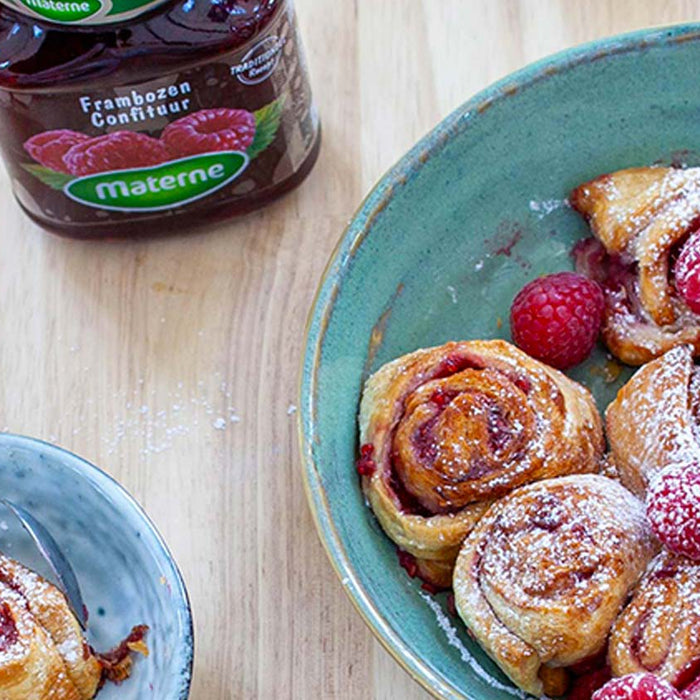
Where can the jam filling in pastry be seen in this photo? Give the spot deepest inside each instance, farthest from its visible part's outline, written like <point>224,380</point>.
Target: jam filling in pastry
<point>445,431</point>
<point>640,218</point>
<point>659,631</point>
<point>653,422</point>
<point>43,654</point>
<point>545,573</point>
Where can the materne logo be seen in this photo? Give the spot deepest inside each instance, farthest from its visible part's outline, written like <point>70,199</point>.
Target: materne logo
<point>83,11</point>
<point>159,187</point>
<point>64,11</point>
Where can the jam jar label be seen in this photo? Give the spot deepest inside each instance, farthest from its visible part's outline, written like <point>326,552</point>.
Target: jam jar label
<point>83,11</point>
<point>219,131</point>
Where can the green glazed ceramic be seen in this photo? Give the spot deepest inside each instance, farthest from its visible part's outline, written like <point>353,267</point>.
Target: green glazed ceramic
<point>437,252</point>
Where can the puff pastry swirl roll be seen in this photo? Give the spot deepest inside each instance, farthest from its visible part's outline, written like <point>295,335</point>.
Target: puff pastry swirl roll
<point>653,422</point>
<point>541,579</point>
<point>640,216</point>
<point>659,631</point>
<point>447,430</point>
<point>42,650</point>
<point>43,654</point>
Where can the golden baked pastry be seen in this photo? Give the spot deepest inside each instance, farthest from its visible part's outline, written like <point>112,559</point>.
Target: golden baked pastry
<point>653,421</point>
<point>541,579</point>
<point>447,430</point>
<point>640,216</point>
<point>43,654</point>
<point>659,631</point>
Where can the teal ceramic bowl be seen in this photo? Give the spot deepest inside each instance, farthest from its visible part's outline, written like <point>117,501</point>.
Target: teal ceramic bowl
<point>125,571</point>
<point>437,251</point>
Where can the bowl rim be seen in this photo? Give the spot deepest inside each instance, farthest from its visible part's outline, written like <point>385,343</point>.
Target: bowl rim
<point>338,264</point>
<point>101,479</point>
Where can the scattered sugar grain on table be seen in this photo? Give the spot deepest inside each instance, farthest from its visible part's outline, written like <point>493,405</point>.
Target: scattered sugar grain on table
<point>162,427</point>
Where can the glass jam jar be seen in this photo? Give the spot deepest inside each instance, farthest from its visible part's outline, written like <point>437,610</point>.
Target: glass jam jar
<point>134,117</point>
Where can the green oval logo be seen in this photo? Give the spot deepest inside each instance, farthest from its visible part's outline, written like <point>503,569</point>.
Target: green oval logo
<point>63,10</point>
<point>172,184</point>
<point>83,11</point>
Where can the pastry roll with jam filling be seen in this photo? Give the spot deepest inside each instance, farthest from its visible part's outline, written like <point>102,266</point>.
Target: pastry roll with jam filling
<point>653,422</point>
<point>446,431</point>
<point>545,573</point>
<point>640,218</point>
<point>659,631</point>
<point>43,654</point>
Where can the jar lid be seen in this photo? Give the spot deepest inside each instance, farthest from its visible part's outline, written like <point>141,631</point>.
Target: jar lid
<point>82,12</point>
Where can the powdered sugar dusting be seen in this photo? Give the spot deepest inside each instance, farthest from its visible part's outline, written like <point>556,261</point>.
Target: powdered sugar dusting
<point>640,216</point>
<point>673,508</point>
<point>652,423</point>
<point>43,623</point>
<point>545,207</point>
<point>677,203</point>
<point>471,421</point>
<point>563,523</point>
<point>659,631</point>
<point>559,555</point>
<point>548,562</point>
<point>637,686</point>
<point>71,649</point>
<point>454,641</point>
<point>500,425</point>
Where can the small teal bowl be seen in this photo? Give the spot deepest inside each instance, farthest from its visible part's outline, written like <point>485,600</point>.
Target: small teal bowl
<point>126,573</point>
<point>437,252</point>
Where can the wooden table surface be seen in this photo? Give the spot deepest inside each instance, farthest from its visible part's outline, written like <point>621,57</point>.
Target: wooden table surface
<point>173,364</point>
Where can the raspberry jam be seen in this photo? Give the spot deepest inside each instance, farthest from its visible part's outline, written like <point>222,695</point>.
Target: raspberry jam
<point>134,117</point>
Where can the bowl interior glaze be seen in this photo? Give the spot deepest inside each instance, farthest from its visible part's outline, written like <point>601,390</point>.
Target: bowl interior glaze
<point>125,571</point>
<point>437,252</point>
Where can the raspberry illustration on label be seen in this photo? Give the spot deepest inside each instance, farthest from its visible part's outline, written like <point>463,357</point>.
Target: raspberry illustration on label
<point>117,151</point>
<point>50,147</point>
<point>131,171</point>
<point>211,130</point>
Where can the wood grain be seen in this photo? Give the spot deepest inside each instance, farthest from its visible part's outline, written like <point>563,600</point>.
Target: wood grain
<point>173,364</point>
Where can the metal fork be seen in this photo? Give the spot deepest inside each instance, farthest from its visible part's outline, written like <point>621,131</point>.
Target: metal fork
<point>66,579</point>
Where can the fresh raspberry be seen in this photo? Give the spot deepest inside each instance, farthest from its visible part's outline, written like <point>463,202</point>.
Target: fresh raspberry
<point>687,272</point>
<point>120,150</point>
<point>673,508</point>
<point>49,147</point>
<point>210,130</point>
<point>557,318</point>
<point>637,686</point>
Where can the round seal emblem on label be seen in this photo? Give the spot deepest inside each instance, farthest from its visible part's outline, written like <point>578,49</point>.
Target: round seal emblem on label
<point>260,62</point>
